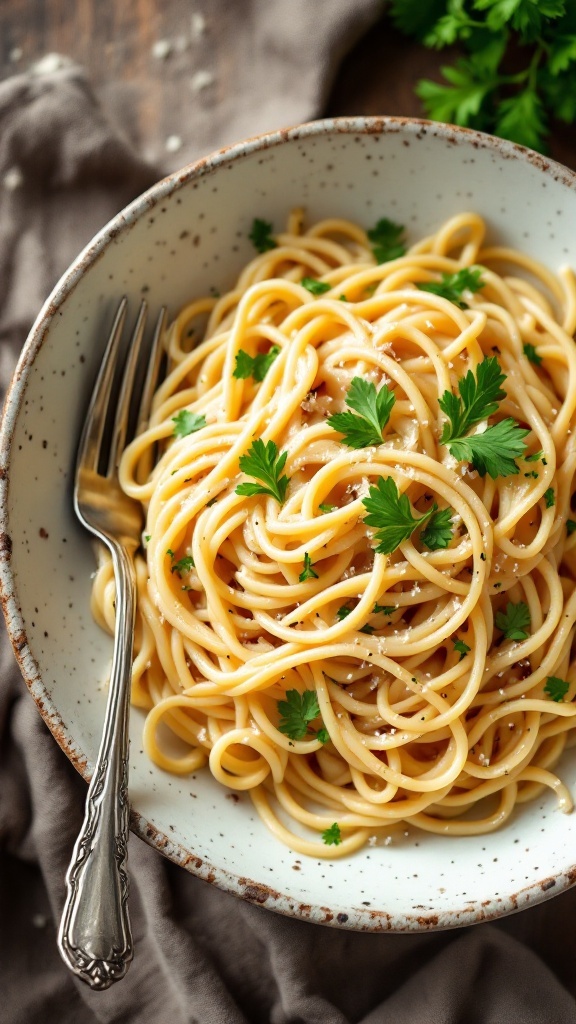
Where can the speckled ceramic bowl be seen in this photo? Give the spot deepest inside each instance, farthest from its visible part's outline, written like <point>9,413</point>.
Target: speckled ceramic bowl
<point>184,237</point>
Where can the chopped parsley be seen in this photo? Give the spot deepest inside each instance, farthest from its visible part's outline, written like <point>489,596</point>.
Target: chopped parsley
<point>389,512</point>
<point>535,457</point>
<point>570,527</point>
<point>384,609</point>
<point>451,286</point>
<point>327,508</point>
<point>296,713</point>
<point>388,241</point>
<point>186,422</point>
<point>515,621</point>
<point>314,286</point>
<point>461,648</point>
<point>254,366</point>
<point>323,735</point>
<point>550,497</point>
<point>556,688</point>
<point>332,836</point>
<point>261,235</point>
<point>308,572</point>
<point>373,409</point>
<point>264,463</point>
<point>344,612</point>
<point>532,355</point>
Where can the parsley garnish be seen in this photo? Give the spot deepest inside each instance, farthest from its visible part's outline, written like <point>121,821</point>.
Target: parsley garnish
<point>323,735</point>
<point>186,422</point>
<point>327,508</point>
<point>390,513</point>
<point>170,552</point>
<point>532,355</point>
<point>385,609</point>
<point>374,408</point>
<point>387,240</point>
<point>332,836</point>
<point>461,647</point>
<point>183,565</point>
<point>257,366</point>
<point>314,286</point>
<point>147,537</point>
<point>308,572</point>
<point>494,450</point>
<point>537,36</point>
<point>570,527</point>
<point>549,497</point>
<point>556,688</point>
<point>535,457</point>
<point>264,463</point>
<point>451,286</point>
<point>515,621</point>
<point>296,713</point>
<point>343,613</point>
<point>261,235</point>
<point>438,531</point>
<point>343,298</point>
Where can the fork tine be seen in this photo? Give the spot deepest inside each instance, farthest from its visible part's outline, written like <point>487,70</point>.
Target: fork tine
<point>91,440</point>
<point>120,427</point>
<point>153,372</point>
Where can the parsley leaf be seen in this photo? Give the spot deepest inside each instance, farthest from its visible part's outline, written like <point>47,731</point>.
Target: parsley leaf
<point>323,735</point>
<point>451,286</point>
<point>571,527</point>
<point>261,235</point>
<point>183,565</point>
<point>374,408</point>
<point>296,712</point>
<point>522,119</point>
<point>387,240</point>
<point>257,366</point>
<point>390,513</point>
<point>438,531</point>
<point>308,572</point>
<point>531,354</point>
<point>344,611</point>
<point>556,688</point>
<point>461,647</point>
<point>186,422</point>
<point>385,609</point>
<point>314,286</point>
<point>550,497</point>
<point>332,836</point>
<point>263,462</point>
<point>515,621</point>
<point>535,457</point>
<point>495,450</point>
<point>327,508</point>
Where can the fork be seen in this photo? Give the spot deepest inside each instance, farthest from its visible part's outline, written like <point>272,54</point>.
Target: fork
<point>95,938</point>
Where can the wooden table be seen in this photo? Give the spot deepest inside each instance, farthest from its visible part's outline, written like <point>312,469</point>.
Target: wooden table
<point>140,56</point>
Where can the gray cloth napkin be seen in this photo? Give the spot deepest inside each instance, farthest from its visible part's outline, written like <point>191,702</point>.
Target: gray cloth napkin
<point>201,955</point>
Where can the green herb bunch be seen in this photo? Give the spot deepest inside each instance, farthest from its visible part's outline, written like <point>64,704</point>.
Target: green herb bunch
<point>519,69</point>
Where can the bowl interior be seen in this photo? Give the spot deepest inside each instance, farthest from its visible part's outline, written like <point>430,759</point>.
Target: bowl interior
<point>184,238</point>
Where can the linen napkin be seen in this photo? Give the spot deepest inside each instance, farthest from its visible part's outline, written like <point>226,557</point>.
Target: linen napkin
<point>202,955</point>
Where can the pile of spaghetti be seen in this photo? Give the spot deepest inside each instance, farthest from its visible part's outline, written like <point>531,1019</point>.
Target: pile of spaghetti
<point>357,585</point>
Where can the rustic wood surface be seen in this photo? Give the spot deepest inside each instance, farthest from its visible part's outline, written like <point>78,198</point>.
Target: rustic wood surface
<point>122,45</point>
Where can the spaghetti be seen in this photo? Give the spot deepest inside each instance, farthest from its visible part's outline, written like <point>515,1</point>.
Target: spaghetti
<point>352,678</point>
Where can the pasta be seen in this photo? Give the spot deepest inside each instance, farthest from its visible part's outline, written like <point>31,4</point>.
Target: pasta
<point>348,605</point>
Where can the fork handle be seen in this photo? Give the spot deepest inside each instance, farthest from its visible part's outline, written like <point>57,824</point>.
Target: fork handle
<point>95,938</point>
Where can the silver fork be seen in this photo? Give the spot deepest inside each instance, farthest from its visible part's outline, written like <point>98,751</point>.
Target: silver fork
<point>95,938</point>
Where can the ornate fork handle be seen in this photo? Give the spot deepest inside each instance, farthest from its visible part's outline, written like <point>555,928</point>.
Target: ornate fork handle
<point>95,937</point>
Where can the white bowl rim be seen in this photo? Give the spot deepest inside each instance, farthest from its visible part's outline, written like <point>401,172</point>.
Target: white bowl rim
<point>252,891</point>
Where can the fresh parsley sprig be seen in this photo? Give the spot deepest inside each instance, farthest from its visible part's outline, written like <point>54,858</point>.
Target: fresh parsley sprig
<point>261,235</point>
<point>388,241</point>
<point>494,451</point>
<point>373,409</point>
<point>254,366</point>
<point>186,422</point>
<point>332,836</point>
<point>451,286</point>
<point>514,623</point>
<point>390,513</point>
<point>461,648</point>
<point>263,462</point>
<point>478,91</point>
<point>308,572</point>
<point>297,712</point>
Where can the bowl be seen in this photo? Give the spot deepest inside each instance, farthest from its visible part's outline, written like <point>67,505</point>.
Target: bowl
<point>184,237</point>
